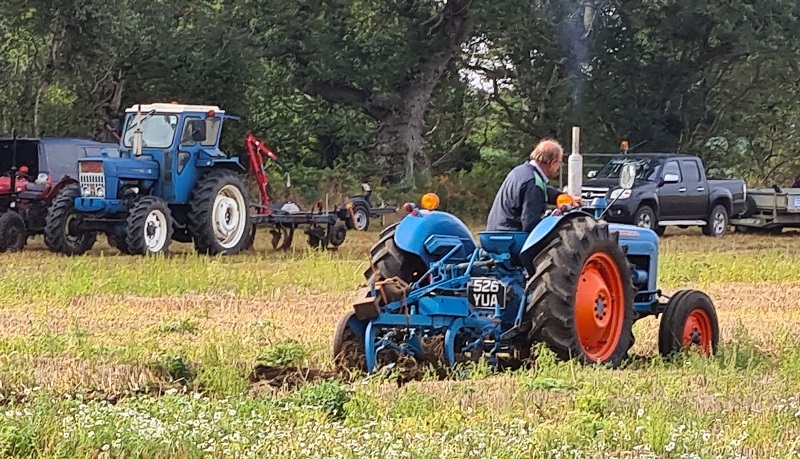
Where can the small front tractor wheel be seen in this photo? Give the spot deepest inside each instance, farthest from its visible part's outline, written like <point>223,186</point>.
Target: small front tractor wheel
<point>13,234</point>
<point>60,215</point>
<point>690,319</point>
<point>717,224</point>
<point>348,347</point>
<point>581,295</point>
<point>149,230</point>
<point>219,218</point>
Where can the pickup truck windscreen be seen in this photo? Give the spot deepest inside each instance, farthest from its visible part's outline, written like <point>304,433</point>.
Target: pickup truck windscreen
<point>645,168</point>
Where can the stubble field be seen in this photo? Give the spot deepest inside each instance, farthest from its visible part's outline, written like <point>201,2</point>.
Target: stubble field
<point>107,355</point>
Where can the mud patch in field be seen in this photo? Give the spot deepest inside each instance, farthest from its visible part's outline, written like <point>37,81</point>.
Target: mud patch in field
<point>268,378</point>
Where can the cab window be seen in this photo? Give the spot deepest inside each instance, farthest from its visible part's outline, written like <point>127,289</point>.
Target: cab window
<point>212,131</point>
<point>671,167</point>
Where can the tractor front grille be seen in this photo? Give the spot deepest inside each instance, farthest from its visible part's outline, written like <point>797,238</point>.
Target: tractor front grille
<point>93,184</point>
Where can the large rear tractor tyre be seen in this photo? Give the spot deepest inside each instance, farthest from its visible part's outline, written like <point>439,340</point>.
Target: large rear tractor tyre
<point>387,260</point>
<point>348,347</point>
<point>582,294</point>
<point>60,214</point>
<point>219,219</point>
<point>149,227</point>
<point>689,321</point>
<point>13,234</point>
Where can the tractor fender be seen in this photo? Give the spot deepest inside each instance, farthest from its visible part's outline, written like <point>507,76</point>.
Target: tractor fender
<point>419,234</point>
<point>358,326</point>
<point>541,234</point>
<point>233,163</point>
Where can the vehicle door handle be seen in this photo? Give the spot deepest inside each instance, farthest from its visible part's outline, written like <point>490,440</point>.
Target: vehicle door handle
<point>681,190</point>
<point>702,188</point>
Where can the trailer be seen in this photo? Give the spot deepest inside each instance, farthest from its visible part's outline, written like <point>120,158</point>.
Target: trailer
<point>769,210</point>
<point>325,227</point>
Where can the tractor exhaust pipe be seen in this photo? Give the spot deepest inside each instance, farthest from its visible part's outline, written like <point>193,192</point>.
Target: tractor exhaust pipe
<point>575,165</point>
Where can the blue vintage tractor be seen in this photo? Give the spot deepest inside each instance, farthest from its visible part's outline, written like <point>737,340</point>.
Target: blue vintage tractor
<point>575,283</point>
<point>169,181</point>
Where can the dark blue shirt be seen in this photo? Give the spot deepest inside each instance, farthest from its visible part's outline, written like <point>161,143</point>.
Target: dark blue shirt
<point>520,203</point>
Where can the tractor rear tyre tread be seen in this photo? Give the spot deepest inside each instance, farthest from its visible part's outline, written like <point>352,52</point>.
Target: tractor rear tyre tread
<point>137,225</point>
<point>201,224</point>
<point>55,231</point>
<point>13,234</point>
<point>550,312</point>
<point>388,260</point>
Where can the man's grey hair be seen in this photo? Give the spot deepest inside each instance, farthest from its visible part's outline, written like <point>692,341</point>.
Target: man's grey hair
<point>547,151</point>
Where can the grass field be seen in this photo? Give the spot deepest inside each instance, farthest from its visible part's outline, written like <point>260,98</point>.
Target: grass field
<point>118,356</point>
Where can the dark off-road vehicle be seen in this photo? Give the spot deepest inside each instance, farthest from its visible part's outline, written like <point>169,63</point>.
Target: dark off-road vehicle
<point>670,190</point>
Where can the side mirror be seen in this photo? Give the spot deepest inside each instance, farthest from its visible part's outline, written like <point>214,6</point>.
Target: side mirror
<point>592,174</point>
<point>671,178</point>
<point>627,176</point>
<point>198,128</point>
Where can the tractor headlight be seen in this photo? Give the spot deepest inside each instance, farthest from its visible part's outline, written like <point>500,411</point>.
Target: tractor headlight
<point>100,191</point>
<point>620,194</point>
<point>85,190</point>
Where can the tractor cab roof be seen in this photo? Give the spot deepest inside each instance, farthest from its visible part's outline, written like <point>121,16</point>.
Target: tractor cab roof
<point>174,108</point>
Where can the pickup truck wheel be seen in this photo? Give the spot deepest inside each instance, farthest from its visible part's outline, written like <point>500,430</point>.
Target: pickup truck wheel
<point>645,217</point>
<point>717,224</point>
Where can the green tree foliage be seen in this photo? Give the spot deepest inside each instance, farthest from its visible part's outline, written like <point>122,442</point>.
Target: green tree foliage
<point>409,94</point>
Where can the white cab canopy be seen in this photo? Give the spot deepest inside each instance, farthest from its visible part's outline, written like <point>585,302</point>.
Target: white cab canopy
<point>173,108</point>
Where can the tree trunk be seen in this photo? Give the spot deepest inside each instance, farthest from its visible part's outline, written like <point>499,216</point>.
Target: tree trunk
<point>46,78</point>
<point>400,111</point>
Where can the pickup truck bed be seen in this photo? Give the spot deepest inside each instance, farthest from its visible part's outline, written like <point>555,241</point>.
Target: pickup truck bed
<point>770,210</point>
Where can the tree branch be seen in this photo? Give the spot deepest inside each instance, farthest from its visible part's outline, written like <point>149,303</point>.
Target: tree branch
<point>349,95</point>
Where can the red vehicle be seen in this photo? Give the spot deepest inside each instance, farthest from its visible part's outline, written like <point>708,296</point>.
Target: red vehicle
<point>33,171</point>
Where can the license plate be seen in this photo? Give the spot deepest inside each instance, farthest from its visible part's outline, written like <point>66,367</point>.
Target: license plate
<point>486,293</point>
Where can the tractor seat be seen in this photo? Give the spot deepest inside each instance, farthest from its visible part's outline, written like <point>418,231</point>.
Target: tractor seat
<point>499,242</point>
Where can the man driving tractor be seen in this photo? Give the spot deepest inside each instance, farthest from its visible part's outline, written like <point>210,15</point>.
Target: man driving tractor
<point>524,195</point>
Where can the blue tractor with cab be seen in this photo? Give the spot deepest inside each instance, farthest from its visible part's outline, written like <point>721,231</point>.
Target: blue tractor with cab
<point>575,283</point>
<point>169,180</point>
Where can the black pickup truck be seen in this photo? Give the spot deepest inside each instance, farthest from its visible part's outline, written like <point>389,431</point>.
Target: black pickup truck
<point>670,190</point>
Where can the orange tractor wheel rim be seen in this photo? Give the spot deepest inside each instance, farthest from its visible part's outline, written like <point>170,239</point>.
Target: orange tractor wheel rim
<point>599,307</point>
<point>697,331</point>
